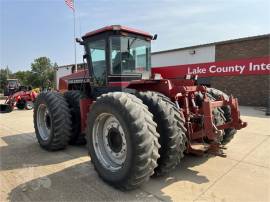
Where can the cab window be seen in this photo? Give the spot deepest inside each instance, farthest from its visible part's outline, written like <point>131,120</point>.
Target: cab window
<point>129,55</point>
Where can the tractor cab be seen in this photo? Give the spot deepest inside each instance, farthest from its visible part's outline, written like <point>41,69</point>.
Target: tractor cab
<point>117,54</point>
<point>11,87</point>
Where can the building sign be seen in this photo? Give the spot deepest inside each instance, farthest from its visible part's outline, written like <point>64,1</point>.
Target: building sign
<point>251,66</point>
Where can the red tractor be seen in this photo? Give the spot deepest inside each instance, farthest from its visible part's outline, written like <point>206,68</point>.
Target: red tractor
<point>135,124</point>
<point>22,99</point>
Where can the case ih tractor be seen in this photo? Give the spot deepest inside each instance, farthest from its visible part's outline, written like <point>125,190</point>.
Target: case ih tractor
<point>135,124</point>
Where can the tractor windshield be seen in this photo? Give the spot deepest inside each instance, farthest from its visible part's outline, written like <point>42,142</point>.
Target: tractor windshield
<point>12,83</point>
<point>130,55</point>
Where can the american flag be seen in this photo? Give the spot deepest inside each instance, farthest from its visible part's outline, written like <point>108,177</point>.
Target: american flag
<point>70,4</point>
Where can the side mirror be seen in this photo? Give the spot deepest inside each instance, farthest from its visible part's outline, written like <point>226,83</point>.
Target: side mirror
<point>85,58</point>
<point>79,40</point>
<point>155,37</point>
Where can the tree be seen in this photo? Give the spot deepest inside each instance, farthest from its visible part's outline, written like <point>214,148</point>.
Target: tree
<point>4,75</point>
<point>25,77</point>
<point>42,72</point>
<point>41,75</point>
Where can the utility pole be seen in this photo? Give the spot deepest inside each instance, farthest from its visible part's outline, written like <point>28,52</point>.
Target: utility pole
<point>71,4</point>
<point>74,36</point>
<point>7,72</point>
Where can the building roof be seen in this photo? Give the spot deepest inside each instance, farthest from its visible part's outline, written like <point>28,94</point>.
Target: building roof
<point>215,43</point>
<point>71,65</point>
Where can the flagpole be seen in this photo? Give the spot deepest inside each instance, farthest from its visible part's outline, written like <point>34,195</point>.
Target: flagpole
<point>74,35</point>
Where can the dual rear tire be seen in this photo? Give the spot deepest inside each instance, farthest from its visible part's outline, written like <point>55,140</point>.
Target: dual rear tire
<point>57,119</point>
<point>52,121</point>
<point>124,133</point>
<point>150,129</point>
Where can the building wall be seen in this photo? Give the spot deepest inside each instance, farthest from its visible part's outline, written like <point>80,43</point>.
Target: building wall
<point>252,90</point>
<point>66,70</point>
<point>243,49</point>
<point>63,71</point>
<point>184,56</point>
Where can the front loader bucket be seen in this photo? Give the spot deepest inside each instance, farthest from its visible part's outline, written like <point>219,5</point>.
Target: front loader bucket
<point>5,108</point>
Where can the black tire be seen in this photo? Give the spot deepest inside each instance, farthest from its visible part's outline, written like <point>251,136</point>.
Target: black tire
<point>60,120</point>
<point>140,134</point>
<point>229,132</point>
<point>73,99</point>
<point>170,126</point>
<point>5,108</point>
<point>21,104</point>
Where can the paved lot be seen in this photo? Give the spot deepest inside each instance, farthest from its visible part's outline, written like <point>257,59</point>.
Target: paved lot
<point>29,173</point>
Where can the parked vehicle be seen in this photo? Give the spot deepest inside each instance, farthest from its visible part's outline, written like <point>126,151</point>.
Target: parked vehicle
<point>12,86</point>
<point>23,99</point>
<point>135,124</point>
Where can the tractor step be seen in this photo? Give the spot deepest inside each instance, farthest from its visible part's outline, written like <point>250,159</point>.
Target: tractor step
<point>202,148</point>
<point>198,148</point>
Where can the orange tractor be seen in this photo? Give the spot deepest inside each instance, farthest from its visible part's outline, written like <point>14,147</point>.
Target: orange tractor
<point>136,124</point>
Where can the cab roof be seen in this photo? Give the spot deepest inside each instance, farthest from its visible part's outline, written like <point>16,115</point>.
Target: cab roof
<point>117,28</point>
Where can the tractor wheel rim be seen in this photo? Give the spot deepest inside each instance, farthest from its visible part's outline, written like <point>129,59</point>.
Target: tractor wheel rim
<point>29,105</point>
<point>44,122</point>
<point>109,141</point>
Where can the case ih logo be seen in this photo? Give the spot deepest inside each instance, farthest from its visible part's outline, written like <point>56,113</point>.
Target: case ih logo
<point>250,66</point>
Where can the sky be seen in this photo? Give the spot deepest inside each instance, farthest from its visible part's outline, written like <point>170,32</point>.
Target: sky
<point>33,28</point>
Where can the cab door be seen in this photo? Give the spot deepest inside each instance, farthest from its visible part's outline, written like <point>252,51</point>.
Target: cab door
<point>98,65</point>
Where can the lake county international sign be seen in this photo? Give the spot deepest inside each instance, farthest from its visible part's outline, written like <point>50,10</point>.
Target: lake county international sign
<point>251,66</point>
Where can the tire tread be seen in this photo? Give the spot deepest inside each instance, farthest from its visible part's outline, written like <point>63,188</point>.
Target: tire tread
<point>146,145</point>
<point>170,126</point>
